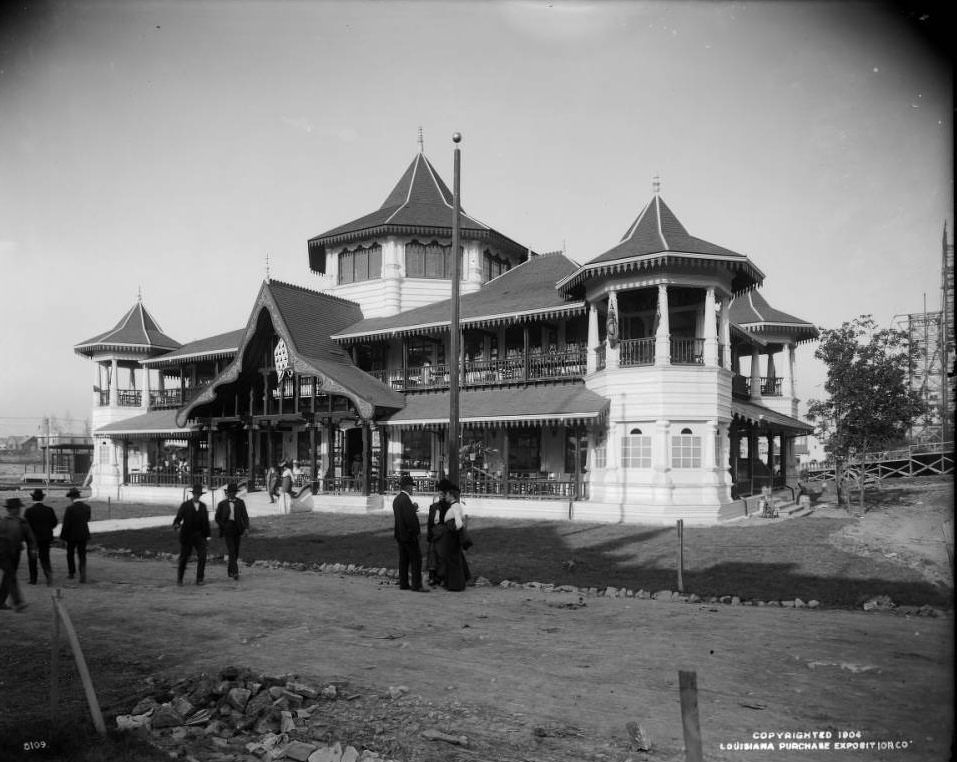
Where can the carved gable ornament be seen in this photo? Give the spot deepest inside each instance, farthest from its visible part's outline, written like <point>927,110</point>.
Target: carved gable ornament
<point>281,358</point>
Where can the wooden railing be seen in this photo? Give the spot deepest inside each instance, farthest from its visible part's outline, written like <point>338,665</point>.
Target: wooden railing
<point>770,387</point>
<point>636,352</point>
<point>687,351</point>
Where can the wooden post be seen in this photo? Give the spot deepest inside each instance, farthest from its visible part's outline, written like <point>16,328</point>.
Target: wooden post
<point>688,693</point>
<point>55,662</point>
<point>453,440</point>
<point>81,667</point>
<point>681,555</point>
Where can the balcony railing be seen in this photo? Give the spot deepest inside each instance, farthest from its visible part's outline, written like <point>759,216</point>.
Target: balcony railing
<point>636,352</point>
<point>515,369</point>
<point>687,351</point>
<point>770,387</point>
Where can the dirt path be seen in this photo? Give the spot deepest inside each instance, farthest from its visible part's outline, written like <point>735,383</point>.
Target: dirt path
<point>526,675</point>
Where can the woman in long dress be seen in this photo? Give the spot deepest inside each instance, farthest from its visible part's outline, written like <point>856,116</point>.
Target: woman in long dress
<point>435,529</point>
<point>452,564</point>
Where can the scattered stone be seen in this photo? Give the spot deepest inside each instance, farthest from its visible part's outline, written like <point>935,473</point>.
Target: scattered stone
<point>166,717</point>
<point>735,600</point>
<point>799,604</point>
<point>302,689</point>
<point>144,706</point>
<point>397,691</point>
<point>662,595</point>
<point>132,721</point>
<point>330,692</point>
<point>287,724</point>
<point>813,604</point>
<point>238,698</point>
<point>350,754</point>
<point>787,604</point>
<point>299,751</point>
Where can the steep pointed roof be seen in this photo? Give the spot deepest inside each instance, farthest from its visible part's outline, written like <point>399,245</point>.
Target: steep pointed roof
<point>526,292</point>
<point>657,236</point>
<point>752,312</point>
<point>304,320</point>
<point>419,204</point>
<point>137,331</point>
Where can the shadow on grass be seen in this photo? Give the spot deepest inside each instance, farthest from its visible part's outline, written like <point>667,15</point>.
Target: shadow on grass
<point>779,561</point>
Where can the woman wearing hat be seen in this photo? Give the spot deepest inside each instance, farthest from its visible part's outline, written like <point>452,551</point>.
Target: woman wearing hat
<point>75,532</point>
<point>14,531</point>
<point>42,521</point>
<point>453,567</point>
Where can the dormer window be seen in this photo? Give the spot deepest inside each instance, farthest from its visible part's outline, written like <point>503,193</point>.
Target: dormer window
<point>493,266</point>
<point>360,264</point>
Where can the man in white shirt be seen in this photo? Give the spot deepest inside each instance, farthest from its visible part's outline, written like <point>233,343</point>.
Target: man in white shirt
<point>233,521</point>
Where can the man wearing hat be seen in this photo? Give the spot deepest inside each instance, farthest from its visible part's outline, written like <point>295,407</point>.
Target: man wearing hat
<point>192,523</point>
<point>42,521</point>
<point>14,531</point>
<point>407,536</point>
<point>233,522</point>
<point>75,532</point>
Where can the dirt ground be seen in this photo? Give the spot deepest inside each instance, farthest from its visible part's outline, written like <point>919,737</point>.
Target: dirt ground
<point>525,675</point>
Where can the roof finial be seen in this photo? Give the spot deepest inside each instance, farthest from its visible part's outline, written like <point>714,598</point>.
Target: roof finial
<point>421,141</point>
<point>656,184</point>
<point>139,294</point>
<point>267,267</point>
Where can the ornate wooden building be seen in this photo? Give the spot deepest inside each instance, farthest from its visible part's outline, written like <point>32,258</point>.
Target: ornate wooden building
<point>640,386</point>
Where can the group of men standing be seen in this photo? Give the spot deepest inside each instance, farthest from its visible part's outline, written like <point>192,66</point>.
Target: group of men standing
<point>35,530</point>
<point>192,523</point>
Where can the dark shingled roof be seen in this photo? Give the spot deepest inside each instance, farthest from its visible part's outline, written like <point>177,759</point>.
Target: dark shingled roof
<point>221,345</point>
<point>526,290</point>
<point>528,406</point>
<point>656,235</point>
<point>137,330</point>
<point>305,319</point>
<point>420,203</point>
<point>752,311</point>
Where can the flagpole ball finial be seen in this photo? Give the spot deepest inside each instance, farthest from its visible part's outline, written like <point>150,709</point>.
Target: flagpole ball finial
<point>456,137</point>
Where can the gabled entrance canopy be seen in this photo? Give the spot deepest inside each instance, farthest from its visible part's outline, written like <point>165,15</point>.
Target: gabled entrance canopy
<point>302,320</point>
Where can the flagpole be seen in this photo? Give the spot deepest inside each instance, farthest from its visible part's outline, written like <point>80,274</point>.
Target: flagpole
<point>454,334</point>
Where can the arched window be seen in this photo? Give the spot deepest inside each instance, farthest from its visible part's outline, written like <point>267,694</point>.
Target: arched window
<point>686,450</point>
<point>636,450</point>
<point>432,260</point>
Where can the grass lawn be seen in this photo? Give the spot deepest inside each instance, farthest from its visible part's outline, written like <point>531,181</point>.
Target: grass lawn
<point>775,561</point>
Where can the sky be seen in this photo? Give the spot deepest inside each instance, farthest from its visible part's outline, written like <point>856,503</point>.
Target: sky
<point>168,148</point>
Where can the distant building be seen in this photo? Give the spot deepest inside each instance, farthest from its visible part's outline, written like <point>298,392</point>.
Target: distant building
<point>652,383</point>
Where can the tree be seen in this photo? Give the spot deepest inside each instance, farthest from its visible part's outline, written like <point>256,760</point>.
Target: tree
<point>870,404</point>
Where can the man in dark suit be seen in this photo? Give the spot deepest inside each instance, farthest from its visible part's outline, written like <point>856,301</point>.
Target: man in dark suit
<point>42,521</point>
<point>192,523</point>
<point>75,532</point>
<point>14,531</point>
<point>233,522</point>
<point>407,536</point>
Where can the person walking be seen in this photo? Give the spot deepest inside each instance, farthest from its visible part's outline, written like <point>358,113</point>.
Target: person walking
<point>272,480</point>
<point>192,523</point>
<point>14,531</point>
<point>233,521</point>
<point>75,532</point>
<point>407,536</point>
<point>42,520</point>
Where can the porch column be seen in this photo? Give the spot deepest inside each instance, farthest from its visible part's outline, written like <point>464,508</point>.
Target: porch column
<point>661,461</point>
<point>126,462</point>
<point>114,383</point>
<point>366,459</point>
<point>591,359</point>
<point>709,452</point>
<point>314,472</point>
<point>663,334</point>
<point>724,454</point>
<point>97,384</point>
<point>145,401</point>
<point>505,463</point>
<point>392,255</point>
<point>770,457</point>
<point>612,354</point>
<point>725,331</point>
<point>788,390</point>
<point>209,455</point>
<point>755,374</point>
<point>710,329</point>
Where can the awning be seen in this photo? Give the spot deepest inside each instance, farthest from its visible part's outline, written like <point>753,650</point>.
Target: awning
<point>156,423</point>
<point>759,414</point>
<point>507,408</point>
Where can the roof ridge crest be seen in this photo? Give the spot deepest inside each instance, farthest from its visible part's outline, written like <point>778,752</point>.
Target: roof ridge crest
<point>408,193</point>
<point>661,233</point>
<point>313,291</point>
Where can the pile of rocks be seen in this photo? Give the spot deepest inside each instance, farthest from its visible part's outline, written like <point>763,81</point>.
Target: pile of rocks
<point>241,716</point>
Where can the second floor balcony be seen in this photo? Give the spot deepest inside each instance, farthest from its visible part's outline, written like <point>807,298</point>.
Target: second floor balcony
<point>638,352</point>
<point>515,368</point>
<point>159,399</point>
<point>770,387</point>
